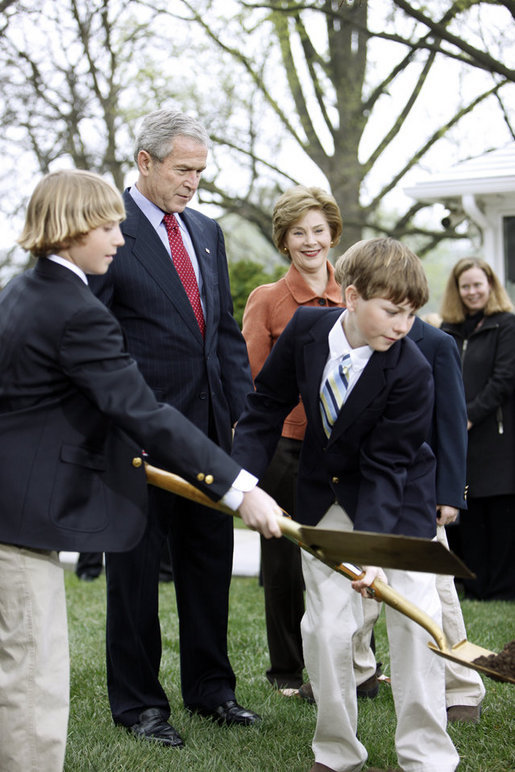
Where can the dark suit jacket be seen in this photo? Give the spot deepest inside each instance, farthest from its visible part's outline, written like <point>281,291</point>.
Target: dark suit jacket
<point>182,369</point>
<point>376,463</point>
<point>74,412</point>
<point>448,437</point>
<point>488,366</point>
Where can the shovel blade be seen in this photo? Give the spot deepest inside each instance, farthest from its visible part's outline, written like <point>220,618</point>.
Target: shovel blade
<point>465,653</point>
<point>408,553</point>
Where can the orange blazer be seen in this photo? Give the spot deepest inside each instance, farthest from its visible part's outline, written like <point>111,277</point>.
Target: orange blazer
<point>269,309</point>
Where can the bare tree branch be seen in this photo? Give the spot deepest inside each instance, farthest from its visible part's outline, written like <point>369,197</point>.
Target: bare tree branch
<point>440,31</point>
<point>429,143</point>
<point>288,90</point>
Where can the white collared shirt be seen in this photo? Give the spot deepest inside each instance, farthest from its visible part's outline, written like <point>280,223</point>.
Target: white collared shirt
<point>339,346</point>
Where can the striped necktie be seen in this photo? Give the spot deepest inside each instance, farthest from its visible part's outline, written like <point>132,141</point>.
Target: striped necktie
<point>332,393</point>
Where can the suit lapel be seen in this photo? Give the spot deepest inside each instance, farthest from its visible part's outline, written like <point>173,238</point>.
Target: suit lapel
<point>59,273</point>
<point>152,255</point>
<point>417,331</point>
<point>370,383</point>
<point>315,352</point>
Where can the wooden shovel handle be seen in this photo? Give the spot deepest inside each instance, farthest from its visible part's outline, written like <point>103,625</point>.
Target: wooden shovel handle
<point>175,484</point>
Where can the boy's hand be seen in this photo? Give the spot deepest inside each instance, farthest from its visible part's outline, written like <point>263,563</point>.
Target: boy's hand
<point>445,514</point>
<point>260,512</point>
<point>371,573</point>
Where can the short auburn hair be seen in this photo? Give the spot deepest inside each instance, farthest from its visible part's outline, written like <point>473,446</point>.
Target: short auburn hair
<point>295,202</point>
<point>383,267</point>
<point>64,207</point>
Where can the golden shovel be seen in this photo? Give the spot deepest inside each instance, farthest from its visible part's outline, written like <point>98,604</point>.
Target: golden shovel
<point>388,551</point>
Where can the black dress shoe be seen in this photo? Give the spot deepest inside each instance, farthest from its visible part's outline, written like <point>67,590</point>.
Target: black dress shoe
<point>306,692</point>
<point>152,726</point>
<point>369,689</point>
<point>88,576</point>
<point>230,713</point>
<point>165,577</point>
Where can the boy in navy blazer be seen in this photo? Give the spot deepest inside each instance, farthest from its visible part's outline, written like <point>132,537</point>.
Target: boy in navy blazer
<point>74,414</point>
<point>369,469</point>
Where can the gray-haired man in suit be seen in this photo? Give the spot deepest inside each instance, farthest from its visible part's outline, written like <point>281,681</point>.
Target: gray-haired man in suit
<point>191,353</point>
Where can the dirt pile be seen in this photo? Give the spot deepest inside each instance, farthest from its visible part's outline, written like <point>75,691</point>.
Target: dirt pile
<point>503,663</point>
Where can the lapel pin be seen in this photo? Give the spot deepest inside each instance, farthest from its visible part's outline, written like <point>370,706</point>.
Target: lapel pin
<point>208,252</point>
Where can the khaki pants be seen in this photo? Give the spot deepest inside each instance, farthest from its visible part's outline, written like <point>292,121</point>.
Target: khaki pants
<point>334,613</point>
<point>34,661</point>
<point>463,686</point>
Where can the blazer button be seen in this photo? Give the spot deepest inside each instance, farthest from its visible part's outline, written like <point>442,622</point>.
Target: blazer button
<point>200,476</point>
<point>137,462</point>
<point>335,479</point>
<point>209,479</point>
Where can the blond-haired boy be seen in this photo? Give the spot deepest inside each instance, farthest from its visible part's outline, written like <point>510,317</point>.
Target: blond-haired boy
<point>75,413</point>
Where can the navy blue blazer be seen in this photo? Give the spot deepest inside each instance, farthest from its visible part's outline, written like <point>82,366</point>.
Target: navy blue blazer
<point>74,413</point>
<point>448,437</point>
<point>197,377</point>
<point>376,463</point>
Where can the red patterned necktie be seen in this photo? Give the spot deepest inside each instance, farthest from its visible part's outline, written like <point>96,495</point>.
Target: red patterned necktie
<point>184,268</point>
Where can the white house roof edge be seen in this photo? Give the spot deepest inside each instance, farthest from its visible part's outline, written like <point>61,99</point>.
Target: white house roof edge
<point>436,191</point>
<point>489,174</point>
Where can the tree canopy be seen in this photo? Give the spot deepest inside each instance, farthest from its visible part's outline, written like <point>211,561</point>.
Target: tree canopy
<point>353,95</point>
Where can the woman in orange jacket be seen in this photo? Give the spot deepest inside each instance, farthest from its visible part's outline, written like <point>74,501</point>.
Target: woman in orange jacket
<point>306,224</point>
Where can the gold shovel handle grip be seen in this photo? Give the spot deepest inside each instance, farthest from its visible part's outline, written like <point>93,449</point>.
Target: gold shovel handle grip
<point>174,484</point>
<point>381,591</point>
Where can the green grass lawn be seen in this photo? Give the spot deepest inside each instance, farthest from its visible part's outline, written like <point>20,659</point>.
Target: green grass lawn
<point>282,743</point>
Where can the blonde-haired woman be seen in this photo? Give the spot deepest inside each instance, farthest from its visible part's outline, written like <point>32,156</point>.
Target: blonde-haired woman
<point>477,312</point>
<point>306,224</point>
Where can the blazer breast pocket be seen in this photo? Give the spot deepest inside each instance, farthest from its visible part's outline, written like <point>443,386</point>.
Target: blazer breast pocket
<point>78,501</point>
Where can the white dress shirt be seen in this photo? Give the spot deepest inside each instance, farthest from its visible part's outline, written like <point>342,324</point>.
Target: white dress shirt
<point>339,346</point>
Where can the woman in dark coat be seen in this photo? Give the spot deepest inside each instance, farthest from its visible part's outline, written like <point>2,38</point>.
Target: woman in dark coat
<point>476,311</point>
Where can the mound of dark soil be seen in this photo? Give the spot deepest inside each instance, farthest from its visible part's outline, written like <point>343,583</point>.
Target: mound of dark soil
<point>503,663</point>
